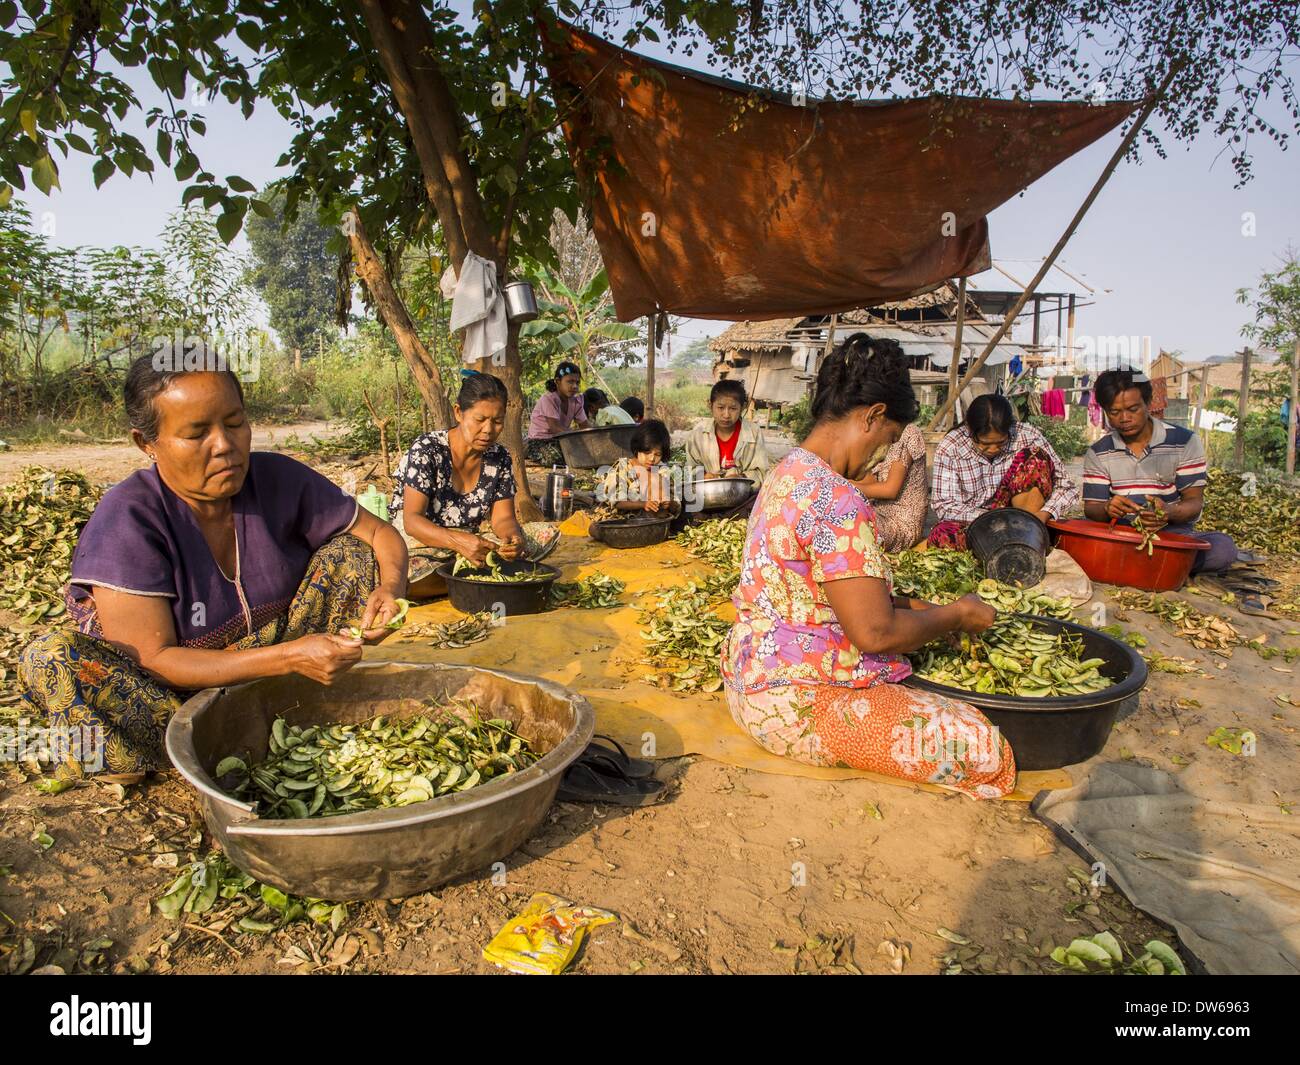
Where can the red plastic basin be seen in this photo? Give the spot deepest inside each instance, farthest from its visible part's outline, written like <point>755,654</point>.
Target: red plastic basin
<point>1111,555</point>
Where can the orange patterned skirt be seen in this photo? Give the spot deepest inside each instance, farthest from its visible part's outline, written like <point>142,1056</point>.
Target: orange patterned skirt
<point>887,728</point>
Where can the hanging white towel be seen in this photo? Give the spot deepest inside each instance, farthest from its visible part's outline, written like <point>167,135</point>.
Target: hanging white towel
<point>478,307</point>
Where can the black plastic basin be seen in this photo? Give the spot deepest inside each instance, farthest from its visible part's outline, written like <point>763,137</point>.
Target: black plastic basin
<point>514,597</point>
<point>1012,544</point>
<point>1060,730</point>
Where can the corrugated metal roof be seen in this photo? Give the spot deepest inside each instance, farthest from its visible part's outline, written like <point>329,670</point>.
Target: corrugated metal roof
<point>934,342</point>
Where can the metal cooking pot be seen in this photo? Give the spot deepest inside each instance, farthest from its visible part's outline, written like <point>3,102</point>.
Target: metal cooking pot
<point>378,854</point>
<point>521,305</point>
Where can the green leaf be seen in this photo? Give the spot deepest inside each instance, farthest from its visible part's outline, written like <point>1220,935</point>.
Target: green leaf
<point>80,143</point>
<point>616,331</point>
<point>240,184</point>
<point>187,163</point>
<point>27,119</point>
<point>596,288</point>
<point>45,174</point>
<point>229,225</point>
<point>262,208</point>
<point>52,785</point>
<point>274,897</point>
<point>538,326</point>
<point>6,194</point>
<point>568,341</point>
<point>507,178</point>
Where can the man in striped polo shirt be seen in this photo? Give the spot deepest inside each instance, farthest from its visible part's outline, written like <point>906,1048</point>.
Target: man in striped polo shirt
<point>1146,466</point>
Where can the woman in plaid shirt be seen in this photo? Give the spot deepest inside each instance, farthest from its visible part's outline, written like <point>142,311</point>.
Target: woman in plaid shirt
<point>992,461</point>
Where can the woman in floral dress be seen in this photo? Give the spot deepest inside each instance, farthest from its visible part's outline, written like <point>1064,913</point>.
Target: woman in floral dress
<point>814,662</point>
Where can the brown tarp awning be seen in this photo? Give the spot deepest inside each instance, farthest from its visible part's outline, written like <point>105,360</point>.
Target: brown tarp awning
<point>797,210</point>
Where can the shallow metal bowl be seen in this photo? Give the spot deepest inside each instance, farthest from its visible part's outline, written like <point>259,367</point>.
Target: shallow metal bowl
<point>721,493</point>
<point>378,853</point>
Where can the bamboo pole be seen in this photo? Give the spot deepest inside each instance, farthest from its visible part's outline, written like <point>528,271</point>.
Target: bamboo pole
<point>1010,318</point>
<point>956,345</point>
<point>1200,410</point>
<point>1243,403</point>
<point>1295,413</point>
<point>650,364</point>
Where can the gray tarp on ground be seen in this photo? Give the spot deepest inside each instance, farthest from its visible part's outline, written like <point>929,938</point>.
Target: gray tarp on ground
<point>1223,874</point>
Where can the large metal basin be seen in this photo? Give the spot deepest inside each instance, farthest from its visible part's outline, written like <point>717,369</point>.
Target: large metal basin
<point>378,853</point>
<point>587,449</point>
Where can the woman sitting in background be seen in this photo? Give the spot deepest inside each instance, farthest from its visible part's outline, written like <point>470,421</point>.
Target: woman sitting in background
<point>636,483</point>
<point>992,461</point>
<point>601,412</point>
<point>453,480</point>
<point>814,662</point>
<point>556,412</point>
<point>729,446</point>
<point>214,566</point>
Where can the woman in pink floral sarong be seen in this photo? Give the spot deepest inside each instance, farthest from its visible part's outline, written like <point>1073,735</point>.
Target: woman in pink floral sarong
<point>814,662</point>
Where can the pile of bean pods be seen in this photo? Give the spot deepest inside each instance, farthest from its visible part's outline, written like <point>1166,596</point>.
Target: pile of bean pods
<point>1150,537</point>
<point>1011,600</point>
<point>467,571</point>
<point>718,540</point>
<point>1013,657</point>
<point>940,575</point>
<point>589,593</point>
<point>321,770</point>
<point>684,635</point>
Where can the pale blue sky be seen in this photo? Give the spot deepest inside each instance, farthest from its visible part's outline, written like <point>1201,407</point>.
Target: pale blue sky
<point>1165,237</point>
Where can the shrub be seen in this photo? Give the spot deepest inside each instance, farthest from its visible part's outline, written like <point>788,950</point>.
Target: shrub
<point>1066,438</point>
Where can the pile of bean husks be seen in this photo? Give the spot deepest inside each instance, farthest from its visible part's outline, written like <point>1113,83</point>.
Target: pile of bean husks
<point>321,770</point>
<point>720,541</point>
<point>41,515</point>
<point>589,593</point>
<point>684,630</point>
<point>940,575</point>
<point>1206,632</point>
<point>1266,520</point>
<point>684,634</point>
<point>1014,657</point>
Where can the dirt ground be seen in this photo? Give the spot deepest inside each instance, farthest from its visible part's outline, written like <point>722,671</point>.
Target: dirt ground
<point>110,461</point>
<point>739,871</point>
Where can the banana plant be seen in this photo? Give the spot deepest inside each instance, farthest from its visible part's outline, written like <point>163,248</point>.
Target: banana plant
<point>577,324</point>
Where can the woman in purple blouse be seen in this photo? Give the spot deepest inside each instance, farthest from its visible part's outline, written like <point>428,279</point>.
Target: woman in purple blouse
<point>556,412</point>
<point>214,566</point>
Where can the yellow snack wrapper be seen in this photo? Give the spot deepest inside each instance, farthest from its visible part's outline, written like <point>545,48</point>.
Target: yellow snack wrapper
<point>545,936</point>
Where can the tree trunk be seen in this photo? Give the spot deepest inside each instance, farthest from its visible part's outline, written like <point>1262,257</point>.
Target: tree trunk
<point>512,436</point>
<point>403,38</point>
<point>1243,404</point>
<point>425,371</point>
<point>1294,419</point>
